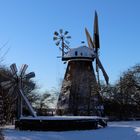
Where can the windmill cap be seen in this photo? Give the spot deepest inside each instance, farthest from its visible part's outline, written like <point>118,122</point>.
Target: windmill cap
<point>82,52</point>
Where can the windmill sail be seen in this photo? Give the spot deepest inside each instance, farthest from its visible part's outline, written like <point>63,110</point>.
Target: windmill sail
<point>96,32</point>
<point>13,68</point>
<point>6,84</point>
<point>103,70</point>
<point>23,69</point>
<point>89,40</point>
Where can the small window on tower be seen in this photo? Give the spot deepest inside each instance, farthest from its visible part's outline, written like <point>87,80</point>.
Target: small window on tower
<point>76,53</point>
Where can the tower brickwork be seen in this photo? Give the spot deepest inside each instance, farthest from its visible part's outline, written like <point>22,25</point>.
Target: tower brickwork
<point>79,90</point>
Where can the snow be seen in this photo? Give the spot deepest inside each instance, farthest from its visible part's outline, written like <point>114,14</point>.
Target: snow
<point>115,131</point>
<point>60,117</point>
<point>82,51</point>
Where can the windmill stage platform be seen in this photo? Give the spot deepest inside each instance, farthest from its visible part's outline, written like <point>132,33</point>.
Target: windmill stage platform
<point>60,123</point>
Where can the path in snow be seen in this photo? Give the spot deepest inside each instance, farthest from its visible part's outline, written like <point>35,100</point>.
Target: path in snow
<point>115,131</point>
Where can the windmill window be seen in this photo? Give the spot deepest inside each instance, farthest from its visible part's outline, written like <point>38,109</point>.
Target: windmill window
<point>81,54</point>
<point>76,53</point>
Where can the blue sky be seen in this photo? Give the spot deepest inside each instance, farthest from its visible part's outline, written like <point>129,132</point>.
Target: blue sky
<point>28,26</point>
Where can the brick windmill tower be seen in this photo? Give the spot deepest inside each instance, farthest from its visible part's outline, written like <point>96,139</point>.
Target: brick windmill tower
<point>80,88</point>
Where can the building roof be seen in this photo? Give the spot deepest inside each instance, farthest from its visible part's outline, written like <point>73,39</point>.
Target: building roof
<point>81,52</point>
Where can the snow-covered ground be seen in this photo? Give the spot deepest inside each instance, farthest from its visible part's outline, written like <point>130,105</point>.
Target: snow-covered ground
<point>115,131</point>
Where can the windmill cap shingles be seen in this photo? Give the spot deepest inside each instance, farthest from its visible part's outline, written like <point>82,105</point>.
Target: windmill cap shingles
<point>79,53</point>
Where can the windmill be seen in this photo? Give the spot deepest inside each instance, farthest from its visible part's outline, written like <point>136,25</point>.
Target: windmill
<point>62,37</point>
<point>80,90</point>
<point>16,83</point>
